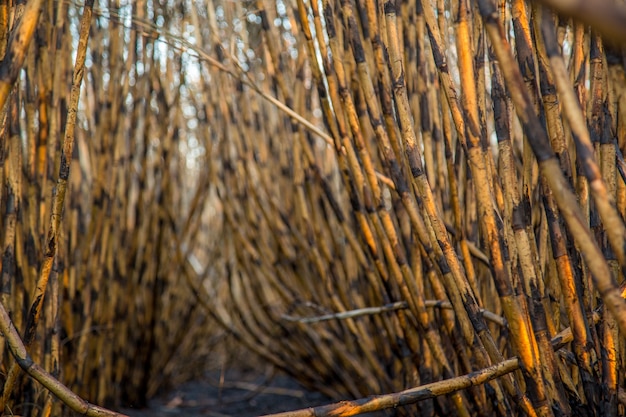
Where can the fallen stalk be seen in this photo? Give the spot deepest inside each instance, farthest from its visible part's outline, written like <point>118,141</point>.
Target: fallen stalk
<point>400,305</point>
<point>23,359</point>
<point>410,396</point>
<point>424,392</point>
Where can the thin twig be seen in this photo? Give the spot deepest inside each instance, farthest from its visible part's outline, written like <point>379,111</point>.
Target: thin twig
<point>399,305</point>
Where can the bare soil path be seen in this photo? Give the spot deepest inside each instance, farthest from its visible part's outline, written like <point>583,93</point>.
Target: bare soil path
<point>232,393</point>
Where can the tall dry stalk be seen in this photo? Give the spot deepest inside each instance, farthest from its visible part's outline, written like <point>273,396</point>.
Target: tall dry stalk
<point>86,251</point>
<point>424,102</point>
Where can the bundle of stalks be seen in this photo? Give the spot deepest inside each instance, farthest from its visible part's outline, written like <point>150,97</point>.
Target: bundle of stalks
<point>415,191</point>
<point>94,262</point>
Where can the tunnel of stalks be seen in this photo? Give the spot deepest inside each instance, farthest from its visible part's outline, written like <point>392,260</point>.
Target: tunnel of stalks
<point>369,195</point>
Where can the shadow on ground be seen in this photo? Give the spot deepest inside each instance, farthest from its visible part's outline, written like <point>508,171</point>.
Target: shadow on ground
<point>233,393</point>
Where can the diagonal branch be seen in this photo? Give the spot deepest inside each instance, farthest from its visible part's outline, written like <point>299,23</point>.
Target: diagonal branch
<point>399,305</point>
<point>424,392</point>
<point>25,362</point>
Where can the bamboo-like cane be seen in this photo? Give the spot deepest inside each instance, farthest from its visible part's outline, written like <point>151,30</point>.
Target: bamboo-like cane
<point>25,362</point>
<point>605,284</point>
<point>59,198</point>
<point>15,54</point>
<point>381,402</point>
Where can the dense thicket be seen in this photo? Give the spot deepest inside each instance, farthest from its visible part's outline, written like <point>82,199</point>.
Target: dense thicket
<point>117,321</point>
<point>370,195</point>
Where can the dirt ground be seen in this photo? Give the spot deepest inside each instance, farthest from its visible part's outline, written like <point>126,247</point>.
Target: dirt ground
<point>233,393</point>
